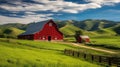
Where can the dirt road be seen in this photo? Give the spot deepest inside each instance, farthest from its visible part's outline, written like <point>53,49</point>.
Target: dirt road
<point>92,48</point>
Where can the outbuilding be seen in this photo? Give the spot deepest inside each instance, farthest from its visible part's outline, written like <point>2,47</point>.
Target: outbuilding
<point>83,39</point>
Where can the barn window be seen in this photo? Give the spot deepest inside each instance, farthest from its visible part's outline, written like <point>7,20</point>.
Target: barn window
<point>43,38</point>
<point>55,38</point>
<point>50,24</point>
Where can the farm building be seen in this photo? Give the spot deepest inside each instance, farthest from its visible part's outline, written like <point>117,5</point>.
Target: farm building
<point>46,30</point>
<point>82,39</point>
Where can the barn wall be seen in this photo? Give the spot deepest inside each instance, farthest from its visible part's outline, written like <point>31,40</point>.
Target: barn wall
<point>28,37</point>
<point>51,31</point>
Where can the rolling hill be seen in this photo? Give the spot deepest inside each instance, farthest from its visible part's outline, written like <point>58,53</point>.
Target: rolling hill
<point>15,25</point>
<point>10,32</point>
<point>106,31</point>
<point>92,25</point>
<point>116,29</point>
<point>69,29</point>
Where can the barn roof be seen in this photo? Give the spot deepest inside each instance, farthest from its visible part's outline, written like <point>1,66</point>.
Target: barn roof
<point>34,27</point>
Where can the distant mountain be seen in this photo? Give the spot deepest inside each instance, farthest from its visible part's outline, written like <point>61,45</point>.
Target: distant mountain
<point>92,25</point>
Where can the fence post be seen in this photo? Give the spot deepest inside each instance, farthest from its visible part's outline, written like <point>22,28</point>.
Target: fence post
<point>115,61</point>
<point>65,51</point>
<point>109,61</point>
<point>92,56</point>
<point>73,53</point>
<point>78,54</point>
<point>100,59</point>
<point>84,56</point>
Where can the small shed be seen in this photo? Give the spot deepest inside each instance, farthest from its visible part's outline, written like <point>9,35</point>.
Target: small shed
<point>83,39</point>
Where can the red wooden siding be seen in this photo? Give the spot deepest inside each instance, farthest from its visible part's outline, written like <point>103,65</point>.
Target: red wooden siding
<point>48,32</point>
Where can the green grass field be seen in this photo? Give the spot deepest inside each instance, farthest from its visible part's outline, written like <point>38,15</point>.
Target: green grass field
<point>108,42</point>
<point>25,53</point>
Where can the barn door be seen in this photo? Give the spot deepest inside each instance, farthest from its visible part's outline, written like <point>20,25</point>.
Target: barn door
<point>49,38</point>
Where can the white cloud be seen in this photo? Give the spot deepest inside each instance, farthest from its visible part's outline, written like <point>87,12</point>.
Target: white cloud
<point>104,2</point>
<point>58,5</point>
<point>51,5</point>
<point>25,19</point>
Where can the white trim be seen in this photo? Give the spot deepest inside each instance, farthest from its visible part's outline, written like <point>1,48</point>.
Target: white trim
<point>84,36</point>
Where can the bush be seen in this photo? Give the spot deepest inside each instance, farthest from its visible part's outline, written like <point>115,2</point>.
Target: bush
<point>7,31</point>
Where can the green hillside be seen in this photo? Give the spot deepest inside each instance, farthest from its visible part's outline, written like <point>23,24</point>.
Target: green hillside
<point>116,29</point>
<point>1,31</point>
<point>24,53</point>
<point>92,25</point>
<point>69,29</point>
<point>106,31</point>
<point>109,31</point>
<point>10,32</point>
<point>15,25</point>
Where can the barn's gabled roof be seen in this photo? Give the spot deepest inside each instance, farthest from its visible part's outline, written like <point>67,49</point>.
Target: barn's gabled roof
<point>34,27</point>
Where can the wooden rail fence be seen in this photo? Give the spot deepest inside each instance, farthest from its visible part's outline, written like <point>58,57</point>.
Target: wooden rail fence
<point>103,60</point>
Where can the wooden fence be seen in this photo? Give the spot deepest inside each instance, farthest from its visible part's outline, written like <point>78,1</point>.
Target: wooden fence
<point>103,60</point>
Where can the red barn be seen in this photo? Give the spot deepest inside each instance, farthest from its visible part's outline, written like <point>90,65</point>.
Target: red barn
<point>82,39</point>
<point>46,30</point>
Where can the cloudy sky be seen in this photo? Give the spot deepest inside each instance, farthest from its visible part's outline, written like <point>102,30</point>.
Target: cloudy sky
<point>26,11</point>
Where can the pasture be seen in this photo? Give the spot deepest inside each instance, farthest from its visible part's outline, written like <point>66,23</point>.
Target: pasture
<point>25,53</point>
<point>112,42</point>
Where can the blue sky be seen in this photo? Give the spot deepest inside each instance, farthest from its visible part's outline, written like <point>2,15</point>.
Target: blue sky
<point>26,11</point>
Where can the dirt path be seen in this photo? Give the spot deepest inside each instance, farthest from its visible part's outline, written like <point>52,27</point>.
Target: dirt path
<point>92,48</point>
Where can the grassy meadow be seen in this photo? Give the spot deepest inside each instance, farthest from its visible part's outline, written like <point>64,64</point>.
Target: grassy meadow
<point>109,42</point>
<point>25,53</point>
<point>112,42</point>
